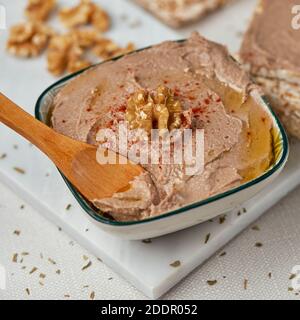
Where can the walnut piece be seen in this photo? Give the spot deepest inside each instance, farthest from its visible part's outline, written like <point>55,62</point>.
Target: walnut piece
<point>85,38</point>
<point>39,10</point>
<point>107,49</point>
<point>28,39</point>
<point>86,12</point>
<point>57,56</point>
<point>65,53</point>
<point>76,61</point>
<point>146,110</point>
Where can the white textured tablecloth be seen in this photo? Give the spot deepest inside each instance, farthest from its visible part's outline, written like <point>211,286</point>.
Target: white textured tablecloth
<point>279,233</point>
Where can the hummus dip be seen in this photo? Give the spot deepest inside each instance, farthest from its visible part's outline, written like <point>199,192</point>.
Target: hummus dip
<point>215,95</point>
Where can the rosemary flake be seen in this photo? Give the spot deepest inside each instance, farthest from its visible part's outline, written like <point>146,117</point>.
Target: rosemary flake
<point>207,238</point>
<point>222,219</point>
<point>211,282</point>
<point>19,170</point>
<point>15,258</point>
<point>92,295</point>
<point>175,264</point>
<point>51,261</point>
<point>86,266</point>
<point>245,284</point>
<point>292,276</point>
<point>33,270</point>
<point>147,241</point>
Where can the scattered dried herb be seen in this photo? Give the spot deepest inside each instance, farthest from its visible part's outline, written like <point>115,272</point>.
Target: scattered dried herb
<point>211,282</point>
<point>19,170</point>
<point>58,271</point>
<point>33,270</point>
<point>41,283</point>
<point>207,238</point>
<point>110,278</point>
<point>27,291</point>
<point>290,289</point>
<point>85,258</point>
<point>68,207</point>
<point>292,276</point>
<point>147,241</point>
<point>222,219</point>
<point>255,228</point>
<point>51,261</point>
<point>17,232</point>
<point>15,146</point>
<point>223,254</point>
<point>3,156</point>
<point>92,295</point>
<point>42,276</point>
<point>25,253</point>
<point>270,275</point>
<point>86,266</point>
<point>67,296</point>
<point>175,264</point>
<point>15,258</point>
<point>22,207</point>
<point>258,244</point>
<point>245,284</point>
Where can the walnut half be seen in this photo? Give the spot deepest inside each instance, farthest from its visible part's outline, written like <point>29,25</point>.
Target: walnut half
<point>65,53</point>
<point>39,10</point>
<point>150,110</point>
<point>28,39</point>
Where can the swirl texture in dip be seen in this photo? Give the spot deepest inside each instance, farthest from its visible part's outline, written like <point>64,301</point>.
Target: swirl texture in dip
<point>215,95</point>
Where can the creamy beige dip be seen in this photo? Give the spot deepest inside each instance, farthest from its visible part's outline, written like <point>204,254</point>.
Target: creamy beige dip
<point>214,94</point>
<point>271,42</point>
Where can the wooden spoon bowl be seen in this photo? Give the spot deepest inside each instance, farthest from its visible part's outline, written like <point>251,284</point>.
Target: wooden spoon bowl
<point>75,159</point>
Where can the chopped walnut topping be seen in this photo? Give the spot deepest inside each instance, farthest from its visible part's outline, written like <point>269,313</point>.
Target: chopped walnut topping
<point>86,12</point>
<point>39,10</point>
<point>28,39</point>
<point>107,49</point>
<point>144,109</point>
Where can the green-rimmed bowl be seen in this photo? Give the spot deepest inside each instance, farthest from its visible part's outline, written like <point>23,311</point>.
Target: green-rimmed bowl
<point>186,216</point>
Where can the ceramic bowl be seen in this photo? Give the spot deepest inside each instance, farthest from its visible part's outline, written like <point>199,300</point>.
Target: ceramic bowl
<point>186,216</point>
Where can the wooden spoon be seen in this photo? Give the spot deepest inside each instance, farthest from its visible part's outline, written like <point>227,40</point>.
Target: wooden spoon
<point>76,160</point>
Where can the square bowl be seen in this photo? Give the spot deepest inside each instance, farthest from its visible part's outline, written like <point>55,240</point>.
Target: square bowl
<point>188,215</point>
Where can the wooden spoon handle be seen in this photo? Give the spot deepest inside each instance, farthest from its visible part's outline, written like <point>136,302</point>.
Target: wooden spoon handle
<point>46,139</point>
